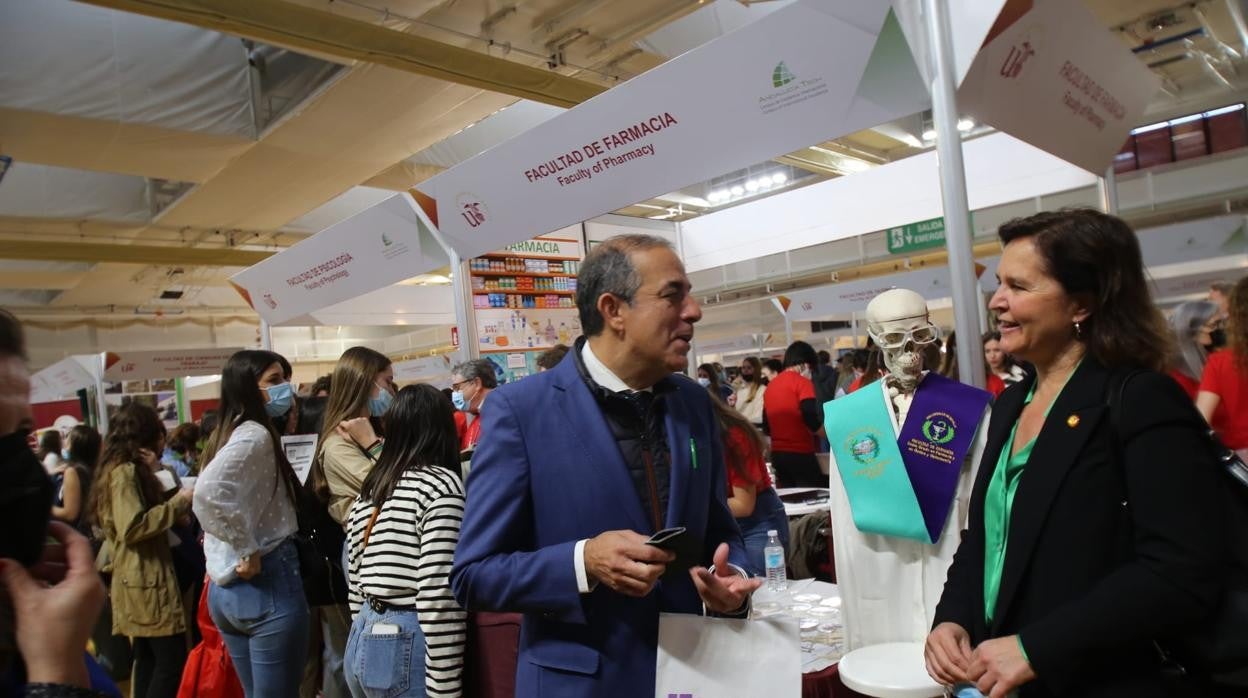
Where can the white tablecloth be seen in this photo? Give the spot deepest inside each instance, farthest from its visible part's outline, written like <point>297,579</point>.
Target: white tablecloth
<point>816,605</point>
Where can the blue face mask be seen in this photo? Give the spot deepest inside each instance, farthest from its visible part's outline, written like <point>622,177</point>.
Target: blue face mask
<point>457,399</point>
<point>281,396</point>
<point>377,406</point>
<point>64,454</point>
<point>704,382</point>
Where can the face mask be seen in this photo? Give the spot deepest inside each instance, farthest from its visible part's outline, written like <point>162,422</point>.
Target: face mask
<point>377,406</point>
<point>281,396</point>
<point>457,399</point>
<point>64,454</point>
<point>704,382</point>
<point>747,377</point>
<point>1217,339</point>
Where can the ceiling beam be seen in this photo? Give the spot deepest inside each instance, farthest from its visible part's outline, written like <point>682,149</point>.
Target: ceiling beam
<point>306,29</point>
<point>130,254</point>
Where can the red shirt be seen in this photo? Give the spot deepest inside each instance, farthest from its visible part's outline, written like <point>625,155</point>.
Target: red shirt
<point>995,385</point>
<point>1224,378</point>
<point>1190,385</point>
<point>755,468</point>
<point>784,418</point>
<point>461,426</point>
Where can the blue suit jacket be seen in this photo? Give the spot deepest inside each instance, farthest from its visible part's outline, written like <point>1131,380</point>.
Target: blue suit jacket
<point>548,473</point>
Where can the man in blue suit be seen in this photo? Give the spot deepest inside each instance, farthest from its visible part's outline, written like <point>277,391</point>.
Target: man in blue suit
<point>579,465</point>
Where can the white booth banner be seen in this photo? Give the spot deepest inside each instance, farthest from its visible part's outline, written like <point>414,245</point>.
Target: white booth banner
<point>142,365</point>
<point>370,250</point>
<point>435,370</point>
<point>60,380</point>
<point>842,299</point>
<point>1055,77</point>
<point>779,84</point>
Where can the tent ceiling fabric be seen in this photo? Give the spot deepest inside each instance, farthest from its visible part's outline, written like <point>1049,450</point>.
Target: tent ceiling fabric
<point>56,192</point>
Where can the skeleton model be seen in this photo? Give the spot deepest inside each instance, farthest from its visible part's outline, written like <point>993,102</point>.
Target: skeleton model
<point>889,585</point>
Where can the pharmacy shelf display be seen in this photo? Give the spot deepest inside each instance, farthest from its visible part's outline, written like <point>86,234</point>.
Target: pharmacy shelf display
<point>524,302</point>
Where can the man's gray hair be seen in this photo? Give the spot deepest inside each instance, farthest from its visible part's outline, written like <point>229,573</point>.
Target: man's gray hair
<point>609,269</point>
<point>478,368</point>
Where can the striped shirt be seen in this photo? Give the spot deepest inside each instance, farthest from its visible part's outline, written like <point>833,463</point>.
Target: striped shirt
<point>408,564</point>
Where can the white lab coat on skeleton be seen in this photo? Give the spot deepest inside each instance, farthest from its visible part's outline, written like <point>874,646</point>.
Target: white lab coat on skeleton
<point>890,586</point>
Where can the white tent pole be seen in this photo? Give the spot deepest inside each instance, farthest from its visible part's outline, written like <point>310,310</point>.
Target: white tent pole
<point>266,335</point>
<point>1107,187</point>
<point>953,193</point>
<point>853,327</point>
<point>100,403</point>
<point>460,289</point>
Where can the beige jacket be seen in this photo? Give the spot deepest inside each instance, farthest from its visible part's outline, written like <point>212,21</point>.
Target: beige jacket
<point>145,597</point>
<point>345,466</point>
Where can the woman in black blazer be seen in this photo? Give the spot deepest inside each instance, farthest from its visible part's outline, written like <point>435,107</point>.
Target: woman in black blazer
<point>1085,544</point>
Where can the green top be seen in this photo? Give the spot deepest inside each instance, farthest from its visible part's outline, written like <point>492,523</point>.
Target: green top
<point>999,503</point>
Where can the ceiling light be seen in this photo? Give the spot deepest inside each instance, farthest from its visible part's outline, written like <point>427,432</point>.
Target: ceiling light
<point>738,190</point>
<point>1215,112</point>
<point>779,178</point>
<point>929,135</point>
<point>765,181</point>
<point>751,186</point>
<point>1150,127</point>
<point>715,196</point>
<point>965,125</point>
<point>854,165</point>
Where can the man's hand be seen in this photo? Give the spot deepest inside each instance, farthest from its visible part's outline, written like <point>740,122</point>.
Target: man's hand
<point>948,654</point>
<point>723,591</point>
<point>56,603</point>
<point>622,561</point>
<point>998,667</point>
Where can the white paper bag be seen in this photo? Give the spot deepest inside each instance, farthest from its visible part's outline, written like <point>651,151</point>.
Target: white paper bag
<point>702,657</point>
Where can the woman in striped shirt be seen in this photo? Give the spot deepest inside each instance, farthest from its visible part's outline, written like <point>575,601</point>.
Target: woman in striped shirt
<point>402,532</point>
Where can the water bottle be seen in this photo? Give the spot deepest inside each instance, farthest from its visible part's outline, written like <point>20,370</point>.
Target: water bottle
<point>773,558</point>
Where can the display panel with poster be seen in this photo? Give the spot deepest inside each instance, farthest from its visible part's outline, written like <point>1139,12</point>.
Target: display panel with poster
<point>524,301</point>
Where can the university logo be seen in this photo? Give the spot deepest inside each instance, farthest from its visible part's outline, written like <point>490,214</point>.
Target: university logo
<point>939,428</point>
<point>471,208</point>
<point>781,75</point>
<point>807,305</point>
<point>268,300</point>
<point>1019,54</point>
<point>865,448</point>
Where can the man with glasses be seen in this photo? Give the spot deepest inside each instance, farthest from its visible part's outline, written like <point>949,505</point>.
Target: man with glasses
<point>471,382</point>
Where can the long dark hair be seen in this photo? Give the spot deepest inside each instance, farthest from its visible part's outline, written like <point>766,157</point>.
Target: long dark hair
<point>241,401</point>
<point>84,447</point>
<point>713,376</point>
<point>1237,327</point>
<point>1097,257</point>
<point>729,420</point>
<point>50,442</point>
<point>134,427</point>
<point>422,434</point>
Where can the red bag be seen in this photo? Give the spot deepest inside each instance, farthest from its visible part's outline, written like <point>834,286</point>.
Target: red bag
<point>209,672</point>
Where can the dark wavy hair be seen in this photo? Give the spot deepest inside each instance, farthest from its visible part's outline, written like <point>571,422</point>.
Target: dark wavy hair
<point>1237,327</point>
<point>242,401</point>
<point>133,428</point>
<point>422,434</point>
<point>1096,256</point>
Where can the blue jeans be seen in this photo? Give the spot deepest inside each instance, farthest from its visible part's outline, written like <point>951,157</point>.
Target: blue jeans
<point>768,515</point>
<point>386,665</point>
<point>264,623</point>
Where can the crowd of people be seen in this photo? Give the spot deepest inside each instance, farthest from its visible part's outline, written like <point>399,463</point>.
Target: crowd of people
<point>358,582</point>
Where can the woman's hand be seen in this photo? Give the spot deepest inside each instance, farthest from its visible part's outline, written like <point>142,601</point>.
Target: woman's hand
<point>248,567</point>
<point>149,458</point>
<point>359,430</point>
<point>998,666</point>
<point>948,654</point>
<point>56,603</point>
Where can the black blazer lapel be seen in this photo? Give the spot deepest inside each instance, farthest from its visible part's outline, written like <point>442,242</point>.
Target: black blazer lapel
<point>1071,421</point>
<point>602,455</point>
<point>679,440</point>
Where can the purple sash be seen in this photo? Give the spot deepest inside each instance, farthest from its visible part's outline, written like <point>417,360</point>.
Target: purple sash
<point>939,429</point>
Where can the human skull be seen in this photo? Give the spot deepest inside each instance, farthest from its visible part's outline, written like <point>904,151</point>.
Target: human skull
<point>898,322</point>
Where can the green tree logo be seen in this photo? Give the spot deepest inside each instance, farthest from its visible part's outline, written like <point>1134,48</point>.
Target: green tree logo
<point>781,76</point>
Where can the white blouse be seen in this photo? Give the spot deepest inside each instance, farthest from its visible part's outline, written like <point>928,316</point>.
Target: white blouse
<point>242,503</point>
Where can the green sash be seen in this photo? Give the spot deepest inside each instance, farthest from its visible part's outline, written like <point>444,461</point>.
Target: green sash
<point>860,431</point>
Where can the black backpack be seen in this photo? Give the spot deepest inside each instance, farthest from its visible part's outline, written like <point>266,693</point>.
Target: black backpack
<point>319,541</point>
<point>1216,651</point>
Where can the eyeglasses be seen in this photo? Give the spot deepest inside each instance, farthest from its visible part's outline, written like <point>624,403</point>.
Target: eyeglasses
<point>455,386</point>
<point>899,338</point>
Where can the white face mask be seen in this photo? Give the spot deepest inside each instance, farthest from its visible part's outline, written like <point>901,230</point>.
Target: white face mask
<point>704,382</point>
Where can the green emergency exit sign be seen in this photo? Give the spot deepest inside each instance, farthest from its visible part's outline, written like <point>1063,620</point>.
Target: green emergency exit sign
<point>917,236</point>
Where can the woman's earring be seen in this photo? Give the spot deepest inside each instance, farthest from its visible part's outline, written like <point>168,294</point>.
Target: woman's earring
<point>1078,331</point>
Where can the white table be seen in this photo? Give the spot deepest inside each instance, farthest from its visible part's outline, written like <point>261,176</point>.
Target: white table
<point>817,500</point>
<point>819,650</point>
